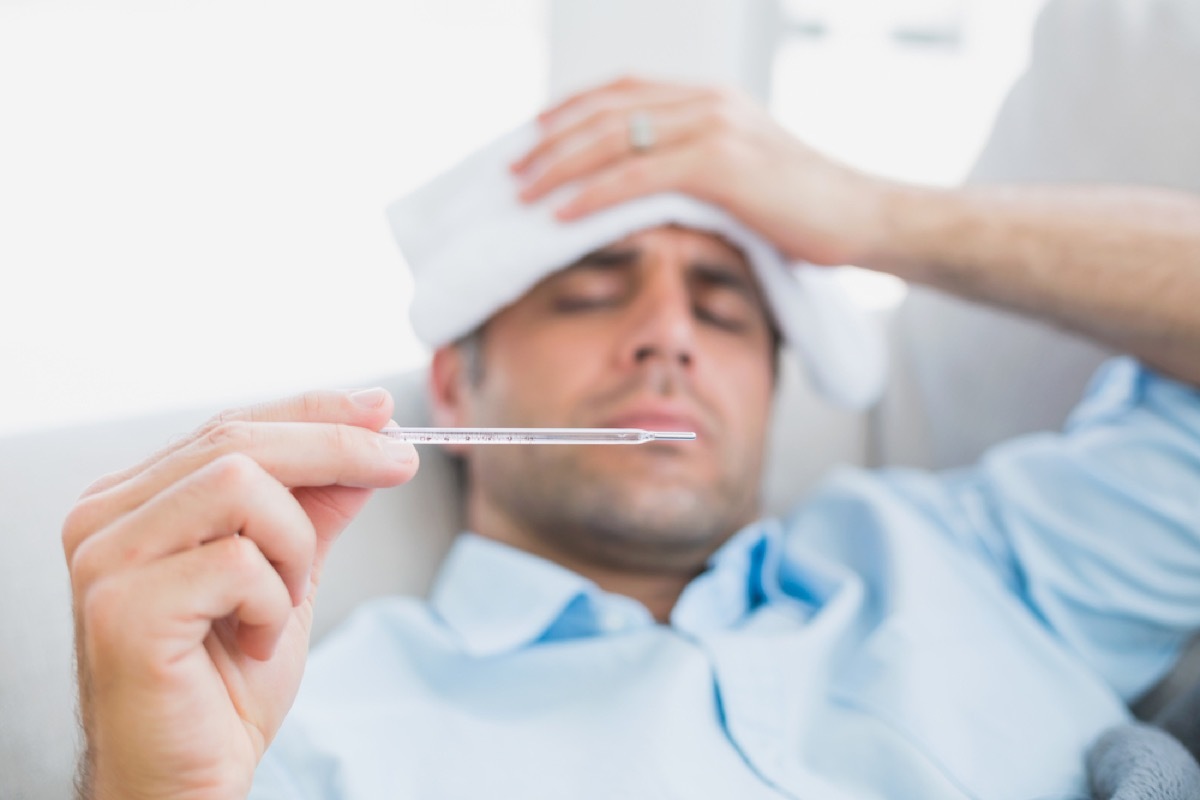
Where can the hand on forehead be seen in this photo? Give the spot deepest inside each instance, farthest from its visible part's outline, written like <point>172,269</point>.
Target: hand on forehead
<point>474,248</point>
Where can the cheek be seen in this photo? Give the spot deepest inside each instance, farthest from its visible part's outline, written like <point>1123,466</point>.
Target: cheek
<point>745,385</point>
<point>746,365</point>
<point>548,371</point>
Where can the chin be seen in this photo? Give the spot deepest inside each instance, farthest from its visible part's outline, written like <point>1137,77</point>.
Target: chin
<point>667,484</point>
<point>674,513</point>
<point>657,462</point>
<point>628,509</point>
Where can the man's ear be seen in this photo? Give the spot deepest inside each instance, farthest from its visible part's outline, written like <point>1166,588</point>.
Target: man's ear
<point>448,389</point>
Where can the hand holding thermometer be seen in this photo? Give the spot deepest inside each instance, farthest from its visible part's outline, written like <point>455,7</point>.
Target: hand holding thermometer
<point>534,435</point>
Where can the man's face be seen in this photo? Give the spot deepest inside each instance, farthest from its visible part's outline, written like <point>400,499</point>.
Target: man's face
<point>664,330</point>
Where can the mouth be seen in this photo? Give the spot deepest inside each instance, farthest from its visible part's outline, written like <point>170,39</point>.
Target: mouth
<point>657,419</point>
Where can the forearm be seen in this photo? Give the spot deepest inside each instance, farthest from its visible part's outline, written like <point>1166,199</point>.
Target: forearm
<point>1119,264</point>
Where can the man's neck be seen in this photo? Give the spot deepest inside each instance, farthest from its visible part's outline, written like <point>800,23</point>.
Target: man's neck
<point>657,589</point>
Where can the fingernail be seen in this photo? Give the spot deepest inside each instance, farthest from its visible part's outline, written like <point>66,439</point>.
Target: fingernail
<point>399,451</point>
<point>369,398</point>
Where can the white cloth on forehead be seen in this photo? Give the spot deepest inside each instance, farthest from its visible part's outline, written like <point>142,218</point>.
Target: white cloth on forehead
<point>474,247</point>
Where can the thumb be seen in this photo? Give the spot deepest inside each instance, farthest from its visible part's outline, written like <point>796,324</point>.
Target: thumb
<point>330,508</point>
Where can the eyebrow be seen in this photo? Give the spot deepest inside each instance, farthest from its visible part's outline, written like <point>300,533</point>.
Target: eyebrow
<point>608,258</point>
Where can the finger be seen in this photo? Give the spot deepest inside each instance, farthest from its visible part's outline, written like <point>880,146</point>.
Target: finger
<point>602,140</point>
<point>330,508</point>
<point>570,103</point>
<point>626,89</point>
<point>631,178</point>
<point>612,110</point>
<point>302,454</point>
<point>366,408</point>
<point>159,613</point>
<point>294,453</point>
<point>232,495</point>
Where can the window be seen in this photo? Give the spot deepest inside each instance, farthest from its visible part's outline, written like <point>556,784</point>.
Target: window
<point>903,88</point>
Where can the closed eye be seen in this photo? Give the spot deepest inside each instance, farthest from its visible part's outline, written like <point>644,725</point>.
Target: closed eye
<point>724,296</point>
<point>726,322</point>
<point>569,304</point>
<point>591,285</point>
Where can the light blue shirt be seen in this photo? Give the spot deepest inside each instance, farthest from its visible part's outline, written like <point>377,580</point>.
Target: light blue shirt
<point>900,635</point>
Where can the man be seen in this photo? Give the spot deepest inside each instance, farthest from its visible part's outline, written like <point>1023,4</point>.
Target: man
<point>618,623</point>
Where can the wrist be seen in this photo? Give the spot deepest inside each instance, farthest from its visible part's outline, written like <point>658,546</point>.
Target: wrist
<point>908,224</point>
<point>102,779</point>
<point>96,782</point>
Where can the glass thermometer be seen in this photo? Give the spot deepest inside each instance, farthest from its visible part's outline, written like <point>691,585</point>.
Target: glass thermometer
<point>534,435</point>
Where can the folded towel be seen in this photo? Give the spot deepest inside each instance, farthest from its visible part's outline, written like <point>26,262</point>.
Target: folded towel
<point>473,247</point>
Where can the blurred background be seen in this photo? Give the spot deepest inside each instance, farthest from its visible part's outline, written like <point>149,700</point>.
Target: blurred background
<point>191,194</point>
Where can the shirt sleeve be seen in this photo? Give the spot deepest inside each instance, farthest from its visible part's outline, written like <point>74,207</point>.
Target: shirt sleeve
<point>1097,529</point>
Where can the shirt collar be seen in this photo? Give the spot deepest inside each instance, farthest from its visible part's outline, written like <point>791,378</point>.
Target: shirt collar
<point>741,575</point>
<point>496,598</point>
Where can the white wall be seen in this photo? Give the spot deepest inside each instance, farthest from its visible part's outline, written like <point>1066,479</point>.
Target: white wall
<point>191,194</point>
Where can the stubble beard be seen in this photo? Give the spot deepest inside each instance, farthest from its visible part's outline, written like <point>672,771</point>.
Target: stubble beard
<point>643,520</point>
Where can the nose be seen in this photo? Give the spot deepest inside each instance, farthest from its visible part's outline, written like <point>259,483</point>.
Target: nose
<point>661,328</point>
<point>647,352</point>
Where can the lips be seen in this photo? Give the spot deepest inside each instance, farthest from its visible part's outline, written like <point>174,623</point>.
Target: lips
<point>656,419</point>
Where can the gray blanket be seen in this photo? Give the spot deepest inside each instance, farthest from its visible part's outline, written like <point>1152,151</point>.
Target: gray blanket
<point>1159,761</point>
